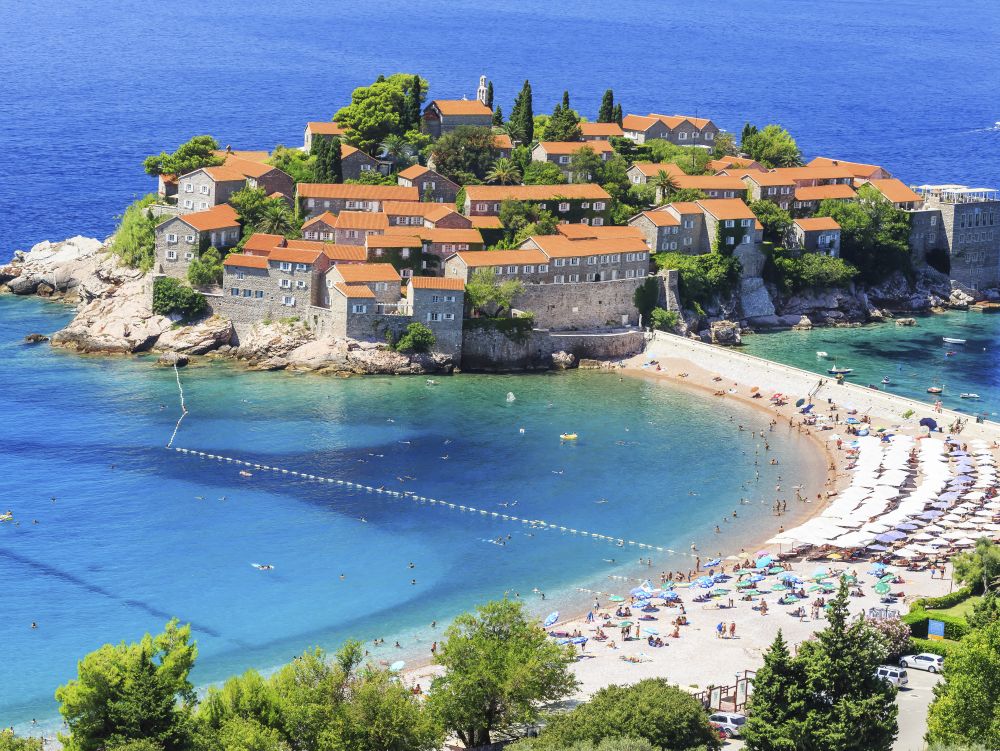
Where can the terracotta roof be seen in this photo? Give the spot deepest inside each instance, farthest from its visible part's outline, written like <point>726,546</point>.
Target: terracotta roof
<point>353,290</point>
<point>858,169</point>
<point>820,192</point>
<point>607,130</point>
<point>478,258</point>
<point>246,262</point>
<point>459,107</point>
<point>408,208</point>
<point>767,179</point>
<point>316,245</point>
<point>814,173</point>
<point>573,192</point>
<point>728,162</point>
<point>661,218</point>
<point>437,282</point>
<point>727,208</point>
<point>169,179</point>
<point>295,255</point>
<point>440,234</point>
<point>486,222</point>
<point>638,122</point>
<point>249,167</point>
<point>571,147</point>
<point>685,207</point>
<point>709,182</point>
<point>261,241</point>
<point>362,220</point>
<point>368,272</point>
<point>217,217</point>
<point>327,218</point>
<point>354,192</point>
<point>584,231</point>
<point>815,224</point>
<point>411,173</point>
<point>896,191</point>
<point>222,174</point>
<point>502,141</point>
<point>249,156</point>
<point>671,121</point>
<point>348,253</point>
<point>652,169</point>
<point>557,246</point>
<point>439,211</point>
<point>393,241</point>
<point>325,128</point>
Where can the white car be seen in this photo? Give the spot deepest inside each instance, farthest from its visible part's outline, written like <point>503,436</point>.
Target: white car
<point>893,674</point>
<point>729,723</point>
<point>923,661</point>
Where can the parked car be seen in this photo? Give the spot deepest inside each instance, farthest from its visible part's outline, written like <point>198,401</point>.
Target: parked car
<point>893,674</point>
<point>729,724</point>
<point>923,661</point>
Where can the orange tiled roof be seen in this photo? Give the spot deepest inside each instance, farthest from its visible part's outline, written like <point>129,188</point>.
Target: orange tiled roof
<point>408,208</point>
<point>456,235</point>
<point>486,222</point>
<point>327,218</point>
<point>413,172</point>
<point>727,208</point>
<point>437,282</point>
<point>222,216</point>
<point>353,290</point>
<point>478,258</point>
<point>607,130</point>
<point>245,262</point>
<point>557,246</point>
<point>821,192</point>
<point>814,173</point>
<point>571,147</point>
<point>300,244</point>
<point>325,128</point>
<point>262,242</point>
<point>585,231</point>
<point>652,169</point>
<point>638,122</point>
<point>248,156</point>
<point>818,223</point>
<point>767,179</point>
<point>896,191</point>
<point>224,173</point>
<point>858,169</point>
<point>353,192</point>
<point>572,192</point>
<point>393,241</point>
<point>368,272</point>
<point>728,162</point>
<point>709,182</point>
<point>502,141</point>
<point>662,218</point>
<point>362,220</point>
<point>460,107</point>
<point>356,253</point>
<point>685,207</point>
<point>295,255</point>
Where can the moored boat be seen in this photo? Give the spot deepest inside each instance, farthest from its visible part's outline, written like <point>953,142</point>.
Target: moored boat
<point>968,396</point>
<point>934,389</point>
<point>953,340</point>
<point>839,371</point>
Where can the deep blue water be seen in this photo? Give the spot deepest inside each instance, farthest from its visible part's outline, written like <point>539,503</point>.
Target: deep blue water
<point>89,89</point>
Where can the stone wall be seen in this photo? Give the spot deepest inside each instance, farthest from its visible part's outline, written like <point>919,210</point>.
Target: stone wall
<point>670,296</point>
<point>586,305</point>
<point>491,350</point>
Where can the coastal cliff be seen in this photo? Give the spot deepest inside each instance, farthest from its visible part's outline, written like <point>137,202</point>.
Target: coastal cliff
<point>114,316</point>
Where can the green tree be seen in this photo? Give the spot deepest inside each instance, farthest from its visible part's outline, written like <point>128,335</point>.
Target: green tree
<point>206,269</point>
<point>985,611</point>
<point>488,294</point>
<point>543,173</point>
<point>748,132</point>
<point>606,112</point>
<point>11,742</point>
<point>249,204</point>
<point>499,667</point>
<point>773,147</point>
<point>132,692</point>
<point>965,709</point>
<point>618,114</point>
<point>646,296</point>
<point>779,704</point>
<point>703,277</point>
<point>522,219</point>
<point>793,272</point>
<point>489,94</point>
<point>691,159</point>
<point>397,151</point>
<point>725,145</point>
<point>664,320</point>
<point>189,156</point>
<point>301,167</point>
<point>665,184</point>
<point>666,716</point>
<point>613,177</point>
<point>564,124</point>
<point>276,218</point>
<point>418,338</point>
<point>465,151</point>
<point>521,123</point>
<point>381,109</point>
<point>134,241</point>
<point>310,691</point>
<point>504,171</point>
<point>414,103</point>
<point>497,117</point>
<point>244,696</point>
<point>247,734</point>
<point>381,713</point>
<point>170,296</point>
<point>584,165</point>
<point>689,195</point>
<point>334,163</point>
<point>874,234</point>
<point>775,219</point>
<point>374,177</point>
<point>979,566</point>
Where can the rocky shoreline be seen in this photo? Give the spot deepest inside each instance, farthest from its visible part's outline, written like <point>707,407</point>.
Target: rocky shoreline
<point>114,316</point>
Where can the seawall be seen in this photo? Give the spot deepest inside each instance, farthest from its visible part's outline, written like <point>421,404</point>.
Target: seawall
<point>492,351</point>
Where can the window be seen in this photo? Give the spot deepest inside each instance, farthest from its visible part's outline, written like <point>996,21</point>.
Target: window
<point>585,220</point>
<point>630,274</point>
<point>188,188</point>
<point>786,190</point>
<point>594,277</point>
<point>188,203</point>
<point>688,223</point>
<point>730,223</point>
<point>710,136</point>
<point>746,222</point>
<point>585,205</point>
<point>558,261</point>
<point>285,266</point>
<point>285,284</point>
<point>359,308</point>
<point>598,205</point>
<point>301,267</point>
<point>259,294</point>
<point>288,300</point>
<point>204,190</point>
<point>404,253</point>
<point>574,261</point>
<point>300,284</point>
<point>171,255</point>
<point>189,256</point>
<point>366,167</point>
<point>529,269</point>
<point>696,134</point>
<point>235,291</point>
<point>563,207</point>
<point>543,268</point>
<point>564,160</point>
<point>449,298</point>
<point>352,205</point>
<point>933,220</point>
<point>435,316</point>
<point>189,239</point>
<point>687,241</point>
<point>310,235</point>
<point>598,221</point>
<point>559,279</point>
<point>574,277</point>
<point>512,269</point>
<point>247,293</point>
<point>449,316</point>
<point>730,240</point>
<point>240,275</point>
<point>171,238</point>
<point>204,204</point>
<point>746,238</point>
<point>592,260</point>
<point>682,136</point>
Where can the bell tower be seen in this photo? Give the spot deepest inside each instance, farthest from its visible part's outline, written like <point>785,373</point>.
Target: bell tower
<point>481,91</point>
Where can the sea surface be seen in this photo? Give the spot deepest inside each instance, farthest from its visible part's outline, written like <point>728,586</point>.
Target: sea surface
<point>89,89</point>
<point>129,534</point>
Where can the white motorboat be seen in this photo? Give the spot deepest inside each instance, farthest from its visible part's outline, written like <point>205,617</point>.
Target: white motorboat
<point>968,396</point>
<point>952,340</point>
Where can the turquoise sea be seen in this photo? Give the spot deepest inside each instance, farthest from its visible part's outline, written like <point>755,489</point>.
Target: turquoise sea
<point>129,534</point>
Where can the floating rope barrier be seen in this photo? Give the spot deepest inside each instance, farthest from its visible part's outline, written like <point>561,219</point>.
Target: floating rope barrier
<point>177,375</point>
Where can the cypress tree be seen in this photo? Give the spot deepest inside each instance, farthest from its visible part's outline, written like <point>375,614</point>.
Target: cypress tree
<point>489,94</point>
<point>335,172</point>
<point>321,149</point>
<point>498,116</point>
<point>412,116</point>
<point>565,101</point>
<point>380,79</point>
<point>527,113</point>
<point>606,113</point>
<point>618,114</point>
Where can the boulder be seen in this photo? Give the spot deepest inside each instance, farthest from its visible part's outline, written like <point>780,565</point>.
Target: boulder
<point>563,360</point>
<point>320,354</point>
<point>588,364</point>
<point>35,339</point>
<point>725,332</point>
<point>196,339</point>
<point>906,321</point>
<point>119,323</point>
<point>269,340</point>
<point>24,284</point>
<point>171,359</point>
<point>804,324</point>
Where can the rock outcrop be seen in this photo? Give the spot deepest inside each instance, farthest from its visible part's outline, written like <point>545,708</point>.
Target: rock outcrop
<point>725,332</point>
<point>53,269</point>
<point>563,360</point>
<point>196,339</point>
<point>118,323</point>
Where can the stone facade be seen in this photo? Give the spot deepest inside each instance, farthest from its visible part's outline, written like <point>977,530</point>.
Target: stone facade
<point>355,162</point>
<point>197,191</point>
<point>430,184</point>
<point>177,243</point>
<point>444,115</point>
<point>598,305</point>
<point>972,230</point>
<point>487,349</point>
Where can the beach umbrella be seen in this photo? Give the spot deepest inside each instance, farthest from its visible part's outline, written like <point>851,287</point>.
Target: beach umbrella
<point>877,548</point>
<point>753,592</point>
<point>815,588</point>
<point>907,527</point>
<point>798,403</point>
<point>852,421</point>
<point>882,588</point>
<point>551,618</point>
<point>887,578</point>
<point>929,423</point>
<point>670,596</point>
<point>397,666</point>
<point>582,639</point>
<point>754,389</point>
<point>652,631</point>
<point>616,598</point>
<point>820,573</point>
<point>779,588</point>
<point>623,624</point>
<point>931,514</point>
<point>712,563</point>
<point>764,561</point>
<point>775,570</point>
<point>563,642</point>
<point>890,537</point>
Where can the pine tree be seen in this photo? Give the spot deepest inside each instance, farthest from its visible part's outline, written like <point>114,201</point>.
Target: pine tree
<point>606,112</point>
<point>779,702</point>
<point>489,94</point>
<point>380,79</point>
<point>618,114</point>
<point>498,116</point>
<point>413,105</point>
<point>565,101</point>
<point>335,171</point>
<point>749,130</point>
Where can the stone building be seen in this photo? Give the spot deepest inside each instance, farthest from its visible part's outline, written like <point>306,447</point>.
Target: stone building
<point>769,186</point>
<point>442,242</point>
<point>585,203</point>
<point>444,115</point>
<point>381,278</point>
<point>859,170</point>
<point>317,130</point>
<point>898,193</point>
<point>677,227</point>
<point>560,153</point>
<point>354,163</point>
<point>529,266</point>
<point>641,173</point>
<point>353,227</point>
<point>431,186</point>
<point>809,197</point>
<point>593,259</point>
<point>600,131</point>
<point>713,186</point>
<point>439,304</point>
<point>677,129</point>
<point>203,188</point>
<point>181,239</point>
<point>320,227</point>
<point>315,198</point>
<point>815,235</point>
<point>970,229</point>
<point>424,214</point>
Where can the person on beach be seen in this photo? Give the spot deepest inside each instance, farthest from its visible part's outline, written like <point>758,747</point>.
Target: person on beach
<point>720,630</point>
<point>732,630</point>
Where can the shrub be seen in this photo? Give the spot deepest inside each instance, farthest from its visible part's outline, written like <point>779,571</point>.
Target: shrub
<point>665,320</point>
<point>896,634</point>
<point>955,627</point>
<point>418,338</point>
<point>171,296</point>
<point>943,602</point>
<point>206,269</point>
<point>793,273</point>
<point>135,239</point>
<point>702,277</point>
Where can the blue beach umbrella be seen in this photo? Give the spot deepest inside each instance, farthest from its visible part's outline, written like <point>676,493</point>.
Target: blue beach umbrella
<point>580,639</point>
<point>713,562</point>
<point>397,666</point>
<point>764,561</point>
<point>551,618</point>
<point>652,631</point>
<point>890,537</point>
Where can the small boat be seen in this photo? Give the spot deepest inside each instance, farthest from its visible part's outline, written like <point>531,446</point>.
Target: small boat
<point>568,436</point>
<point>839,371</point>
<point>952,340</point>
<point>822,355</point>
<point>244,473</point>
<point>934,390</point>
<point>6,517</point>
<point>968,396</point>
<point>886,380</point>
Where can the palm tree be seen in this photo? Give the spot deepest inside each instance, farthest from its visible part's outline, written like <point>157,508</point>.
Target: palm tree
<point>396,150</point>
<point>665,184</point>
<point>276,219</point>
<point>504,171</point>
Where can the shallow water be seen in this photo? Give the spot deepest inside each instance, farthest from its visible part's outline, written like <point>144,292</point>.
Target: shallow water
<point>137,534</point>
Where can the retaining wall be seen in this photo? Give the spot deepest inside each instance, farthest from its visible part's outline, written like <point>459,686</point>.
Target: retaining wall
<point>490,350</point>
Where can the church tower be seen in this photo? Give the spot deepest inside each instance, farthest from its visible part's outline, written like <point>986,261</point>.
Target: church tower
<point>481,91</point>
